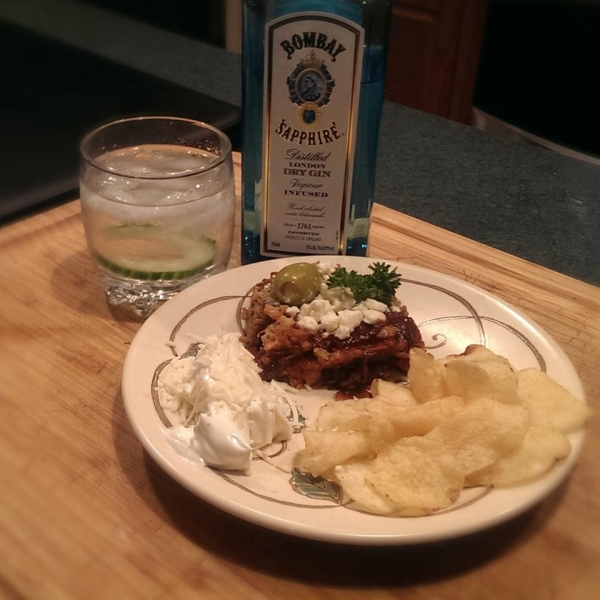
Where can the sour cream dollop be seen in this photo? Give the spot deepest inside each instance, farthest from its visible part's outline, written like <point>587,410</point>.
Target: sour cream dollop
<point>227,412</point>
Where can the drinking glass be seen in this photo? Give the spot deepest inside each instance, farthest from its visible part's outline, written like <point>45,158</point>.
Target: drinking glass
<point>158,203</point>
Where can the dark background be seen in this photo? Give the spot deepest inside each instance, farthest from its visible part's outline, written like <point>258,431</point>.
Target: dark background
<point>200,19</point>
<point>538,66</point>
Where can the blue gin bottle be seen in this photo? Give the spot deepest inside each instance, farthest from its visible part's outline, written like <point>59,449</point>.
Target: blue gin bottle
<point>313,79</point>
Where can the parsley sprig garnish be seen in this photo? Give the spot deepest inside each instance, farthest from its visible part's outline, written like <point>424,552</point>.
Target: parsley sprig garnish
<point>380,285</point>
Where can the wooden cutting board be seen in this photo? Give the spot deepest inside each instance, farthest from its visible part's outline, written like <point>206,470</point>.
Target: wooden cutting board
<point>86,514</point>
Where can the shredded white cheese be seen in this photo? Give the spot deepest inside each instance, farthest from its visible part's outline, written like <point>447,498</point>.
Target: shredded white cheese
<point>220,393</point>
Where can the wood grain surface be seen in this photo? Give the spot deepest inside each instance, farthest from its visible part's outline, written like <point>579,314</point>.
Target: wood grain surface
<point>86,514</point>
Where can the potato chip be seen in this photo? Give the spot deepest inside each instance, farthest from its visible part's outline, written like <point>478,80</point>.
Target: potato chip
<point>482,432</point>
<point>380,386</point>
<point>343,415</point>
<point>469,419</point>
<point>392,399</point>
<point>323,450</point>
<point>422,419</point>
<point>389,424</point>
<point>551,405</point>
<point>381,432</point>
<point>477,352</point>
<point>473,352</point>
<point>468,380</point>
<point>501,372</point>
<point>351,476</point>
<point>417,475</point>
<point>394,393</point>
<point>426,376</point>
<point>539,451</point>
<point>503,379</point>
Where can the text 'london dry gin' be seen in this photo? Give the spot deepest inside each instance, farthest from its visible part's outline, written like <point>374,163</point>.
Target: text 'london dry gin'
<point>314,72</point>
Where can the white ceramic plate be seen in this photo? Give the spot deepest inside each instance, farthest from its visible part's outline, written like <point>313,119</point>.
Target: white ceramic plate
<point>450,313</point>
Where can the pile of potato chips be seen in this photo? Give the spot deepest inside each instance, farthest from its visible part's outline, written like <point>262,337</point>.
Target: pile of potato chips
<point>462,421</point>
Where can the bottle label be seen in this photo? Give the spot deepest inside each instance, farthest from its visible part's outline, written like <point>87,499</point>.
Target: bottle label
<point>313,66</point>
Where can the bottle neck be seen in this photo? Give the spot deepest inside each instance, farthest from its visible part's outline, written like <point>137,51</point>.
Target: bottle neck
<point>341,8</point>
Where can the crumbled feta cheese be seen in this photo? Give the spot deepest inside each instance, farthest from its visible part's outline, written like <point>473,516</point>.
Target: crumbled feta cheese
<point>349,321</point>
<point>316,309</point>
<point>372,317</point>
<point>326,268</point>
<point>330,322</point>
<point>375,305</point>
<point>308,322</point>
<point>334,310</point>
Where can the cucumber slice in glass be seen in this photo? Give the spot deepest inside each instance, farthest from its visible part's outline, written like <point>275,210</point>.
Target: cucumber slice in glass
<point>151,253</point>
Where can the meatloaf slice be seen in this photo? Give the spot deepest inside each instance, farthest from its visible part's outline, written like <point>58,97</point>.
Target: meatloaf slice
<point>287,352</point>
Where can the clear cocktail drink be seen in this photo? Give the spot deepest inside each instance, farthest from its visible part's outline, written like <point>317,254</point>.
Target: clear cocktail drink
<point>157,217</point>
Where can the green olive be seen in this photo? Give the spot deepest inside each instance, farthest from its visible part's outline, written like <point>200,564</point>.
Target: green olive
<point>296,284</point>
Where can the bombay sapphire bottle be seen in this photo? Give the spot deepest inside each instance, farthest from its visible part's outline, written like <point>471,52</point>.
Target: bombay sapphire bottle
<point>314,73</point>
